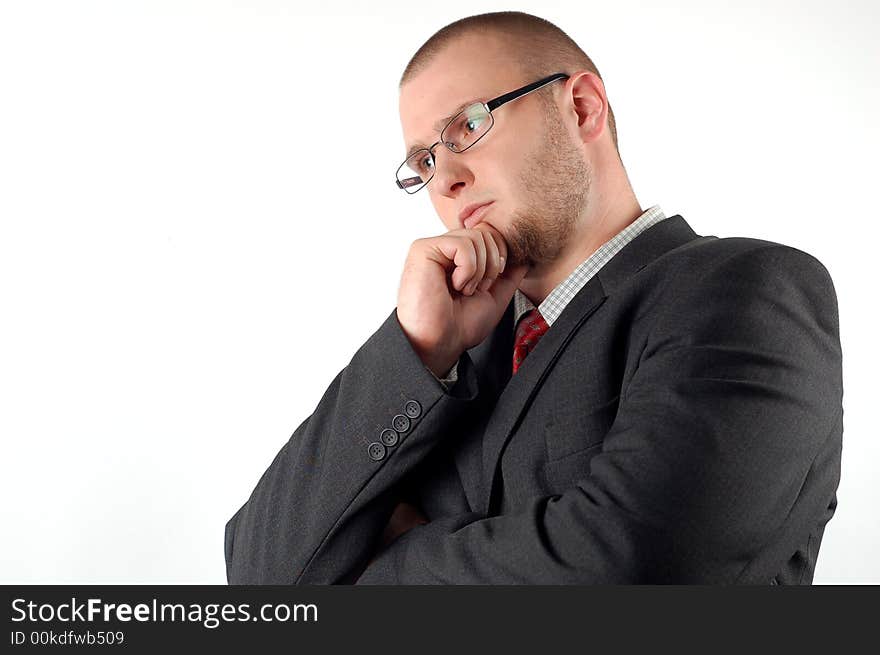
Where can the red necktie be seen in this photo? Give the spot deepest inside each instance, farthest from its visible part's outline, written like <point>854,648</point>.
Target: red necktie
<point>531,327</point>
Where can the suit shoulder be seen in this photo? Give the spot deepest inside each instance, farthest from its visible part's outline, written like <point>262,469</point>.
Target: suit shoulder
<point>718,275</point>
<point>746,255</point>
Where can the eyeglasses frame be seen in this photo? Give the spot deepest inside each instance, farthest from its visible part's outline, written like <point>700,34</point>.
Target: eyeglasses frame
<point>490,106</point>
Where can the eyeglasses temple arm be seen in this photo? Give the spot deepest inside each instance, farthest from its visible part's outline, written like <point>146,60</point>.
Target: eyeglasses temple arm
<point>525,90</point>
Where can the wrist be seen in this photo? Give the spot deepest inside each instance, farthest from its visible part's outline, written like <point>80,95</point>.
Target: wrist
<point>439,364</point>
<point>436,357</point>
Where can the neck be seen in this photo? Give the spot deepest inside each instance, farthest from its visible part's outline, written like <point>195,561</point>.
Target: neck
<point>608,211</point>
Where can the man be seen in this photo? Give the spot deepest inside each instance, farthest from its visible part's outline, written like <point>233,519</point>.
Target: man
<point>571,389</point>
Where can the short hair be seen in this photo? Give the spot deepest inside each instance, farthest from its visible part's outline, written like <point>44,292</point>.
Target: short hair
<point>537,45</point>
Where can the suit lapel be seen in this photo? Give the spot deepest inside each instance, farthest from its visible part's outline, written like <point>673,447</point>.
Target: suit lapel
<point>516,396</point>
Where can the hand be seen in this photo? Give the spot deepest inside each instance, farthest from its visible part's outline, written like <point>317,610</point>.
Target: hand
<point>404,518</point>
<point>453,292</point>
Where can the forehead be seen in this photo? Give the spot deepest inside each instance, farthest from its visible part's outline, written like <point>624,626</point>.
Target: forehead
<point>470,68</point>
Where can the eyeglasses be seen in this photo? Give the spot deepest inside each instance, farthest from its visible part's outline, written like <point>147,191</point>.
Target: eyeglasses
<point>467,127</point>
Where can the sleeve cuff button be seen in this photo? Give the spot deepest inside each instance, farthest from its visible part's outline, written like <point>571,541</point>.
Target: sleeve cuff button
<point>376,451</point>
<point>413,409</point>
<point>389,437</point>
<point>400,423</point>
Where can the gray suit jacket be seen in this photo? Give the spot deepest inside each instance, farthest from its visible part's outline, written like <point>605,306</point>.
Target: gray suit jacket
<point>680,422</point>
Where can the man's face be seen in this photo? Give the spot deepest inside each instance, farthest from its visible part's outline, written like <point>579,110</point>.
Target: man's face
<point>529,165</point>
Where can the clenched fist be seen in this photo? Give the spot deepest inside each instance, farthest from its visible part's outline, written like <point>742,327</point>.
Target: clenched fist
<point>453,292</point>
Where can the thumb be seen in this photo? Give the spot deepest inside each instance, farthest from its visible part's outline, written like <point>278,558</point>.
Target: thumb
<point>507,282</point>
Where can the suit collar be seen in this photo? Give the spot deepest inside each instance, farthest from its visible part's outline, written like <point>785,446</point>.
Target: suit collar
<point>654,242</point>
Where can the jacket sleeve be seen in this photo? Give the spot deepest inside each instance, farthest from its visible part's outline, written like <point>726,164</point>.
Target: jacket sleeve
<point>319,509</point>
<point>450,378</point>
<point>724,453</point>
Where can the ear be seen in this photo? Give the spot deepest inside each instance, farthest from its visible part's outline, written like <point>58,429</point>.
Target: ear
<point>586,103</point>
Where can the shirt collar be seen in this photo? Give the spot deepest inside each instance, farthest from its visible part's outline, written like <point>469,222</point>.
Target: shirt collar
<point>556,300</point>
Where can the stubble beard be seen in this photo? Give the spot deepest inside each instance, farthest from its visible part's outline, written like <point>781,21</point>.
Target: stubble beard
<point>556,184</point>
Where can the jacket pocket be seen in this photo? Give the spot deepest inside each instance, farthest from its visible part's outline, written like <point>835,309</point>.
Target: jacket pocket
<point>573,428</point>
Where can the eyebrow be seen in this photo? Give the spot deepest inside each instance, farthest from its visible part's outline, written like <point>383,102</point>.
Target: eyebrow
<point>439,125</point>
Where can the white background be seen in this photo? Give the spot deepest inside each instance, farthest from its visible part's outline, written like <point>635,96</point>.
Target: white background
<point>186,187</point>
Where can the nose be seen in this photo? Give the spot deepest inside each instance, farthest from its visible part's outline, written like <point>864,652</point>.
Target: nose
<point>452,174</point>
